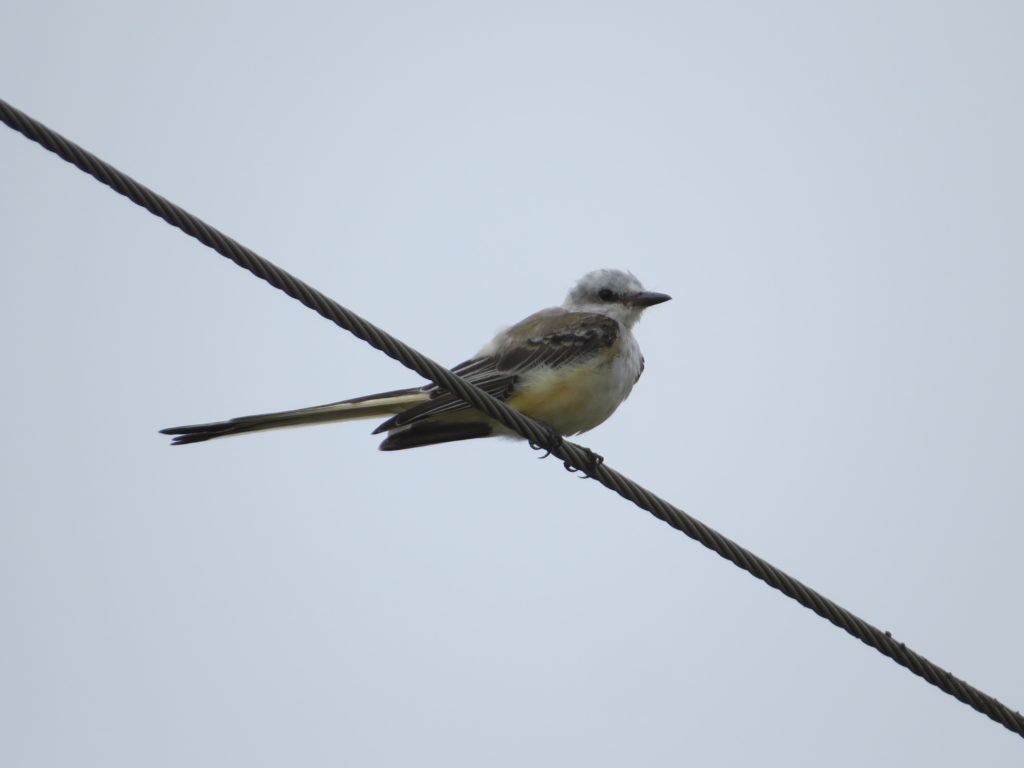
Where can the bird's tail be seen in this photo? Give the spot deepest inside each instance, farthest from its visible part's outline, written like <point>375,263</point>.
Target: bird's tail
<point>368,407</point>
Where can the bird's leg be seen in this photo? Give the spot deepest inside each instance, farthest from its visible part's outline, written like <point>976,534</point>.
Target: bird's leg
<point>551,441</point>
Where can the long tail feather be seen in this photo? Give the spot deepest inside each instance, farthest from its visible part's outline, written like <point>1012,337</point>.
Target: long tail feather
<point>368,407</point>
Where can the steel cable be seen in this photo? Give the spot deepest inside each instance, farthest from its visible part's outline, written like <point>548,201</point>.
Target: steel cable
<point>535,432</point>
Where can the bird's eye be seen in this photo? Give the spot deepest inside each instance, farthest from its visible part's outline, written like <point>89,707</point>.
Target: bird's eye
<point>605,294</point>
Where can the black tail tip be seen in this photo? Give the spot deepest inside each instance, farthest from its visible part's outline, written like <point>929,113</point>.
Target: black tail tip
<point>186,435</point>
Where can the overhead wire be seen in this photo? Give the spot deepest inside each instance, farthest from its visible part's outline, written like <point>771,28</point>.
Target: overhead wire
<point>538,434</point>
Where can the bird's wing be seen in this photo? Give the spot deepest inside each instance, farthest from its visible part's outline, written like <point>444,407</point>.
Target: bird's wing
<point>549,339</point>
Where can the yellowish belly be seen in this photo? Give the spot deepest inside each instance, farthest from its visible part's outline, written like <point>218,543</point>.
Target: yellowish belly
<point>571,402</point>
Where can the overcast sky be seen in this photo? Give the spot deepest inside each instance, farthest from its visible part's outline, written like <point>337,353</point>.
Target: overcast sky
<point>833,194</point>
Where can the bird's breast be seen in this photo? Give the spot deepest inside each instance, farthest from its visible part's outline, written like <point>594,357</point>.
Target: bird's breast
<point>576,398</point>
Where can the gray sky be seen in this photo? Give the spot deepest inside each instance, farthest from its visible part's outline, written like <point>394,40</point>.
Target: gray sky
<point>832,193</point>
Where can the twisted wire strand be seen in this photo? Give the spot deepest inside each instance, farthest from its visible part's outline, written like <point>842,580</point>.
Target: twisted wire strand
<point>538,434</point>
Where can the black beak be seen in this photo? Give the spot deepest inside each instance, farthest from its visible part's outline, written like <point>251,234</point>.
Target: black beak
<point>648,299</point>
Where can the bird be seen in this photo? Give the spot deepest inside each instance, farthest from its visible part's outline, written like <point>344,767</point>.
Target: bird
<point>569,366</point>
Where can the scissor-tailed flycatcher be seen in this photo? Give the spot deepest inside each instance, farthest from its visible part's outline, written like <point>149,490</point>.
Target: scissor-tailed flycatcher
<point>569,366</point>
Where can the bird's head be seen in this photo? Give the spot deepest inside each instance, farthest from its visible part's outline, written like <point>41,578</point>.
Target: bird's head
<point>614,293</point>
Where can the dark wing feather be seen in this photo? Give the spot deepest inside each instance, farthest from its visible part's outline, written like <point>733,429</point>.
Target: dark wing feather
<point>493,382</point>
<point>549,339</point>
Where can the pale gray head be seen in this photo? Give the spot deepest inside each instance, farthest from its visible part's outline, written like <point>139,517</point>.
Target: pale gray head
<point>614,293</point>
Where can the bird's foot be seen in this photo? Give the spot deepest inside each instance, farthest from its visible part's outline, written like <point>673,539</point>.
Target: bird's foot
<point>551,441</point>
<point>589,470</point>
